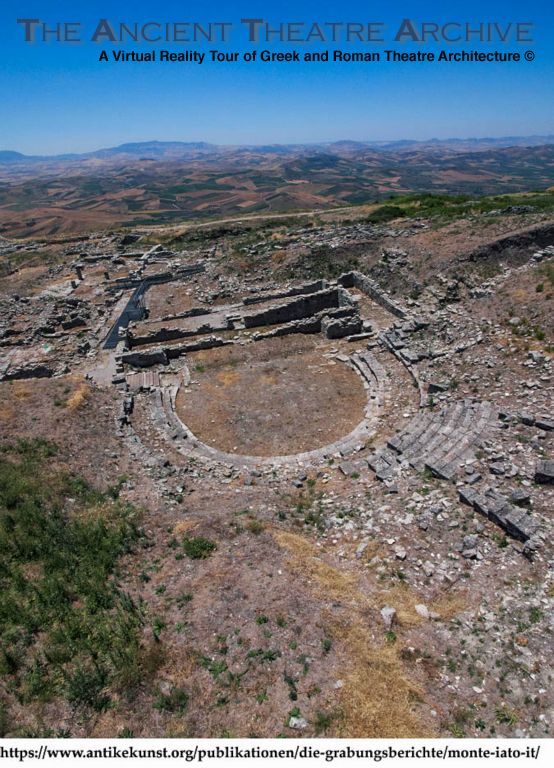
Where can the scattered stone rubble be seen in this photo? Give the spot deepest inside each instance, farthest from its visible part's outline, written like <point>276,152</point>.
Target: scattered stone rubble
<point>441,440</point>
<point>450,485</point>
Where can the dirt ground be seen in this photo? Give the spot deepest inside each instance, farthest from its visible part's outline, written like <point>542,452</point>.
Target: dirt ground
<point>271,398</point>
<point>162,300</point>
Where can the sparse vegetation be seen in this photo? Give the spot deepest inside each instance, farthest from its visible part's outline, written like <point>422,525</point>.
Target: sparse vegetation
<point>175,701</point>
<point>67,629</point>
<point>326,644</point>
<point>505,715</point>
<point>322,722</point>
<point>255,527</point>
<point>546,270</point>
<point>198,548</point>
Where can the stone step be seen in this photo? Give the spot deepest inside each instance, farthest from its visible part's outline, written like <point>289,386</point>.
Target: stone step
<point>517,522</point>
<point>412,433</point>
<point>448,443</point>
<point>385,464</point>
<point>440,441</point>
<point>434,436</point>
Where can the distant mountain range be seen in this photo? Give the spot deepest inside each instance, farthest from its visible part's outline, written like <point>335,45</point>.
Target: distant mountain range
<point>169,150</point>
<point>153,149</point>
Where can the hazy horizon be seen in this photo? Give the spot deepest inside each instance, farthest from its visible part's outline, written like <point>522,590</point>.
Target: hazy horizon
<point>315,143</point>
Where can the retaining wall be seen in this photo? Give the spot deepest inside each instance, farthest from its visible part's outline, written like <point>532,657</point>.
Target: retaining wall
<point>368,286</point>
<point>318,285</point>
<point>297,309</point>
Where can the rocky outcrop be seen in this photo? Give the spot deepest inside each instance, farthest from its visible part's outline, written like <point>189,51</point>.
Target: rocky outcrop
<point>27,371</point>
<point>145,359</point>
<point>544,471</point>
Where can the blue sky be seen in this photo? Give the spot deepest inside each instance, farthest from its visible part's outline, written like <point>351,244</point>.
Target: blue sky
<point>57,98</point>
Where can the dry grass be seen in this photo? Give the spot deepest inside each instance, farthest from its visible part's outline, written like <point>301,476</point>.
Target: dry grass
<point>403,599</point>
<point>373,549</point>
<point>112,721</point>
<point>7,414</point>
<point>520,294</point>
<point>183,526</point>
<point>228,407</point>
<point>306,563</point>
<point>180,670</point>
<point>78,398</point>
<point>96,513</point>
<point>21,390</point>
<point>228,377</point>
<point>378,699</point>
<point>269,379</point>
<point>450,605</point>
<point>278,257</point>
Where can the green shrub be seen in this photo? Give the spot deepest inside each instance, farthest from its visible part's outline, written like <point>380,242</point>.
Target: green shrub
<point>322,722</point>
<point>386,213</point>
<point>183,599</point>
<point>505,715</point>
<point>255,526</point>
<point>86,687</point>
<point>198,548</point>
<point>158,626</point>
<point>4,720</point>
<point>175,701</point>
<point>214,667</point>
